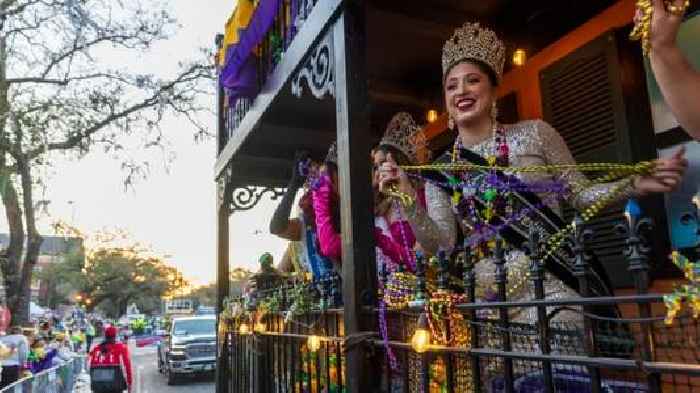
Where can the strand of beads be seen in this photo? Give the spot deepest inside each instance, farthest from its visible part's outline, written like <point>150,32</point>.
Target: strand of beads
<point>642,26</point>
<point>620,170</point>
<point>689,292</point>
<point>556,240</point>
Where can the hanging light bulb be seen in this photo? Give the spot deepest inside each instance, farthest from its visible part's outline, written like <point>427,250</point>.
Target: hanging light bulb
<point>314,343</point>
<point>244,328</point>
<point>519,57</point>
<point>421,337</point>
<point>260,327</point>
<point>431,116</point>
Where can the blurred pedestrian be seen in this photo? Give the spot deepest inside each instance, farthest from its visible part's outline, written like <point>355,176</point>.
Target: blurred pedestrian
<point>89,336</point>
<point>12,365</point>
<point>110,365</point>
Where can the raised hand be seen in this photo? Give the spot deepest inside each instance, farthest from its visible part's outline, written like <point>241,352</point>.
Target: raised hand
<point>665,22</point>
<point>667,175</point>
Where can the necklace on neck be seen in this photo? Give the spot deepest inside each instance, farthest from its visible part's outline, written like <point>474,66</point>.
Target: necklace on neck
<point>492,202</point>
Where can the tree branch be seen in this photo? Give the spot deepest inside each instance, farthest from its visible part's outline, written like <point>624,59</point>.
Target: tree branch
<point>76,138</point>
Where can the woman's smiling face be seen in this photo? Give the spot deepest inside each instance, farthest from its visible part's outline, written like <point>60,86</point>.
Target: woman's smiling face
<point>469,93</point>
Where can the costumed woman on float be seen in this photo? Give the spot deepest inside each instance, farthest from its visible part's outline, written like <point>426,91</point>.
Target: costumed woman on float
<point>484,203</point>
<point>393,235</point>
<point>301,230</point>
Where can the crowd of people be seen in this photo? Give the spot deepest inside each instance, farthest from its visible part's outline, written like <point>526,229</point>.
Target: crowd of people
<point>31,351</point>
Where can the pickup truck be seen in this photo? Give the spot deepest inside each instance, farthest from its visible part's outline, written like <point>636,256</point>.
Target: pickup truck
<point>189,347</point>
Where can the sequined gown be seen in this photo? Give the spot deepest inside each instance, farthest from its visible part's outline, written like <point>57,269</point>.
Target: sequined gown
<point>530,143</point>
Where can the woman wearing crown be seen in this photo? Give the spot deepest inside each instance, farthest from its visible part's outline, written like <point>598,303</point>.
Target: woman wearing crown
<point>394,238</point>
<point>472,64</point>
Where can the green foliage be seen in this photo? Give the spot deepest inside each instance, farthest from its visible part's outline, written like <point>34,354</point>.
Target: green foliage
<point>63,278</point>
<point>117,277</point>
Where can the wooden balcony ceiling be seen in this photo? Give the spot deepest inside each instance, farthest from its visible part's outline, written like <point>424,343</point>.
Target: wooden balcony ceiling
<point>404,45</point>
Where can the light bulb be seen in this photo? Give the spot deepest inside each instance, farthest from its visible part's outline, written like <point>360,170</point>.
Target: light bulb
<point>260,327</point>
<point>519,57</point>
<point>420,340</point>
<point>314,343</point>
<point>421,337</point>
<point>431,116</point>
<point>243,329</point>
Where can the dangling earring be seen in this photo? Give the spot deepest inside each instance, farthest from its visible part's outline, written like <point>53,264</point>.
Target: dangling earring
<point>450,123</point>
<point>494,112</point>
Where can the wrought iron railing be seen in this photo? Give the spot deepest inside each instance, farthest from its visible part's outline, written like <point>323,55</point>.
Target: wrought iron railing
<point>65,378</point>
<point>578,348</point>
<point>290,18</point>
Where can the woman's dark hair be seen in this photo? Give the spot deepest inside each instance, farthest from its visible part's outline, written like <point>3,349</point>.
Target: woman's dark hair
<point>335,201</point>
<point>483,67</point>
<point>397,154</point>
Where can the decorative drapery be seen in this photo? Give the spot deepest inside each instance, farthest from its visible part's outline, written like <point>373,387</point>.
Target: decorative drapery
<point>238,74</point>
<point>238,20</point>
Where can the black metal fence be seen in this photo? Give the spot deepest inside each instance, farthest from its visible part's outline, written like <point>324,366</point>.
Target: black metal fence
<point>566,345</point>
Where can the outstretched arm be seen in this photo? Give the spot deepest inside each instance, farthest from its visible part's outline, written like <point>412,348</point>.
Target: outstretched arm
<point>678,80</point>
<point>281,225</point>
<point>665,177</point>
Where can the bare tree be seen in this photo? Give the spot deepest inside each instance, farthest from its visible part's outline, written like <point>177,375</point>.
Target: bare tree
<point>58,97</point>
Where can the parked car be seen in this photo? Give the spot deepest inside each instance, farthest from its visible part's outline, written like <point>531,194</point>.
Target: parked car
<point>189,347</point>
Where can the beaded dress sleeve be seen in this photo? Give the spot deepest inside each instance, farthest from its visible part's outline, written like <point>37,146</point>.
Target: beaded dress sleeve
<point>555,151</point>
<point>329,240</point>
<point>434,226</point>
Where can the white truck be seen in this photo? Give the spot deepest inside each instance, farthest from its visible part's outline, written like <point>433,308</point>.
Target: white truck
<point>189,347</point>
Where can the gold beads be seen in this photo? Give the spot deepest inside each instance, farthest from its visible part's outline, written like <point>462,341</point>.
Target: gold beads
<point>642,27</point>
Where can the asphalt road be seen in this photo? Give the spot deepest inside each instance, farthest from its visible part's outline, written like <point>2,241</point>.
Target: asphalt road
<point>147,379</point>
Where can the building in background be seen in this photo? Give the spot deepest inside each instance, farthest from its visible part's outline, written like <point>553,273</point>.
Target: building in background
<point>54,249</point>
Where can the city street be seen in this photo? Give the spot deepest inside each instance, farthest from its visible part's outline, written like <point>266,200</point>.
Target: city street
<point>148,380</point>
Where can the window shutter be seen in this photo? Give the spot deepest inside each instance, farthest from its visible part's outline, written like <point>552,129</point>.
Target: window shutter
<point>588,100</point>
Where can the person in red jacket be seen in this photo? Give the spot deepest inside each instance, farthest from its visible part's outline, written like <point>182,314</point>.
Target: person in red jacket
<point>110,365</point>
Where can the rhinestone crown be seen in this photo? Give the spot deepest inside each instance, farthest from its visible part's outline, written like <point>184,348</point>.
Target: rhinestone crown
<point>403,134</point>
<point>472,41</point>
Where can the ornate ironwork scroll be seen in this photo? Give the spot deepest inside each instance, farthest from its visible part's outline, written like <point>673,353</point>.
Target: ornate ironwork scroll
<point>245,198</point>
<point>317,70</point>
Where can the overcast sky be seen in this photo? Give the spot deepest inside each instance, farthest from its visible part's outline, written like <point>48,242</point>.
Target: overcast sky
<point>174,209</point>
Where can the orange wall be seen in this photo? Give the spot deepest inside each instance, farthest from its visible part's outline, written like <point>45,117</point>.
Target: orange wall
<point>524,81</point>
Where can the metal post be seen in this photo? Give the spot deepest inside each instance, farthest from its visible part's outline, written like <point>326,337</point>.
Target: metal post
<point>354,144</point>
<point>469,280</point>
<point>222,252</point>
<point>581,272</point>
<point>637,253</point>
<point>537,277</point>
<point>501,281</point>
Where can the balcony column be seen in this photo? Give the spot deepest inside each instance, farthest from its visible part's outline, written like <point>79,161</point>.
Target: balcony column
<point>357,218</point>
<point>223,212</point>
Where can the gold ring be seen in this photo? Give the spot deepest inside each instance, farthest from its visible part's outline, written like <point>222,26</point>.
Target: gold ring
<point>678,10</point>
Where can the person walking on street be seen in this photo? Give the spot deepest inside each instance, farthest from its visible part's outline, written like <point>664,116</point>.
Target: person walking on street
<point>12,366</point>
<point>110,365</point>
<point>89,336</point>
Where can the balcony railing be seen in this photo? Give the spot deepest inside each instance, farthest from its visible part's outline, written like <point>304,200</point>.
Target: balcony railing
<point>291,16</point>
<point>476,346</point>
